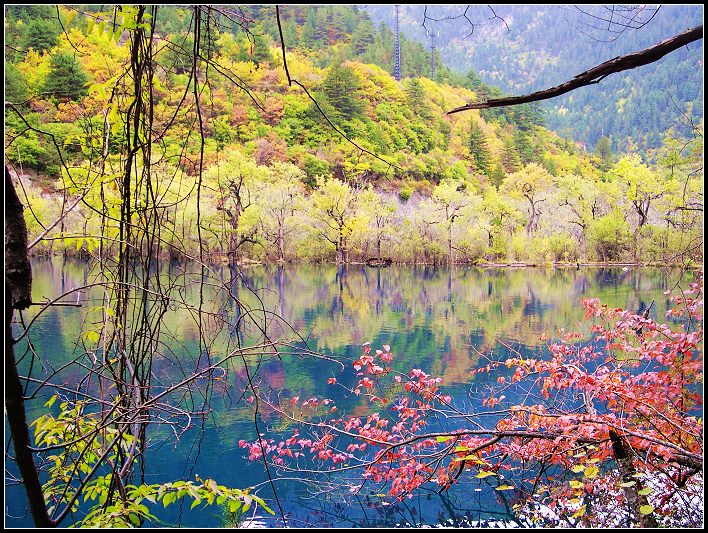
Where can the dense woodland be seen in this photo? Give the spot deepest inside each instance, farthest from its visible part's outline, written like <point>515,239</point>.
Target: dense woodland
<point>527,48</point>
<point>282,182</point>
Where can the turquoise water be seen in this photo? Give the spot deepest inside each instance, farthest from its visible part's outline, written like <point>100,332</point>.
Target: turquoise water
<point>444,321</point>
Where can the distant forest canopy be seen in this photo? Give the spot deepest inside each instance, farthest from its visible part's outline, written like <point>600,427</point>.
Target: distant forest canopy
<point>281,183</point>
<point>546,45</point>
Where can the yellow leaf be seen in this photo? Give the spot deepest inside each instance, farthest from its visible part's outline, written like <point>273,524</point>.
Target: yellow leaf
<point>483,473</point>
<point>578,468</point>
<point>580,512</point>
<point>69,17</point>
<point>592,471</point>
<point>505,487</point>
<point>646,509</point>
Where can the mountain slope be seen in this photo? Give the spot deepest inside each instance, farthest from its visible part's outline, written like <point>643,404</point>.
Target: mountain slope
<point>545,45</point>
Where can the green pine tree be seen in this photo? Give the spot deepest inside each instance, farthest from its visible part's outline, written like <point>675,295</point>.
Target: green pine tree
<point>41,35</point>
<point>261,48</point>
<point>66,78</point>
<point>340,87</point>
<point>603,150</point>
<point>510,160</point>
<point>363,37</point>
<point>478,148</point>
<point>308,30</point>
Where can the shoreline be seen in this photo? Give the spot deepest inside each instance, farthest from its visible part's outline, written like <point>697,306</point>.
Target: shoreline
<point>246,263</point>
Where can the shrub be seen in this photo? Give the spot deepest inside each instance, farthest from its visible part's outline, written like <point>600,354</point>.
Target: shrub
<point>609,237</point>
<point>405,194</point>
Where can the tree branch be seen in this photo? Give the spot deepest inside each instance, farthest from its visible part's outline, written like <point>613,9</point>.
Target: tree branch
<point>597,73</point>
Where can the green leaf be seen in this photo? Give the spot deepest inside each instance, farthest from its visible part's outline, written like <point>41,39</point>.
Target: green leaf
<point>169,498</point>
<point>101,27</point>
<point>628,484</point>
<point>51,401</point>
<point>89,25</point>
<point>645,491</point>
<point>195,503</point>
<point>444,439</point>
<point>234,505</point>
<point>646,509</point>
<point>91,336</point>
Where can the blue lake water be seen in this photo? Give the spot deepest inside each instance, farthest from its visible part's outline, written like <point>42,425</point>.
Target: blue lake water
<point>441,320</point>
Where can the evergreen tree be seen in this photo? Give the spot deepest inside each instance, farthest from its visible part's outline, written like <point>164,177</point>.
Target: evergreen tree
<point>261,48</point>
<point>363,37</point>
<point>524,146</point>
<point>66,78</point>
<point>340,88</point>
<point>415,98</point>
<point>603,150</point>
<point>478,148</point>
<point>308,30</point>
<point>510,159</point>
<point>41,35</point>
<point>15,84</point>
<point>322,23</point>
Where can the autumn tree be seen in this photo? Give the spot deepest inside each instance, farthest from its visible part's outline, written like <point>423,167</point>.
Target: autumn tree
<point>335,214</point>
<point>450,204</point>
<point>530,184</point>
<point>279,200</point>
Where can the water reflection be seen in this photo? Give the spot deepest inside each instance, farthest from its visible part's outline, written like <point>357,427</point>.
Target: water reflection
<point>438,319</point>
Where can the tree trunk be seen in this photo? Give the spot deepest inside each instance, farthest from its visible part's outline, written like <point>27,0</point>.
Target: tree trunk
<point>449,244</point>
<point>281,241</point>
<point>18,295</point>
<point>623,456</point>
<point>233,239</point>
<point>532,217</point>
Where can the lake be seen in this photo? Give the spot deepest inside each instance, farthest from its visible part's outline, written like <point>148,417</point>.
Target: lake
<point>444,321</point>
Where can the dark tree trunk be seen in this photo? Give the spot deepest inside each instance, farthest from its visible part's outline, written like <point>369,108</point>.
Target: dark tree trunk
<point>18,295</point>
<point>623,456</point>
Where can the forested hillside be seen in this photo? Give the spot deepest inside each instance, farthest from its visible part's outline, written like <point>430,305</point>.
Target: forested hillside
<point>364,166</point>
<point>528,48</point>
